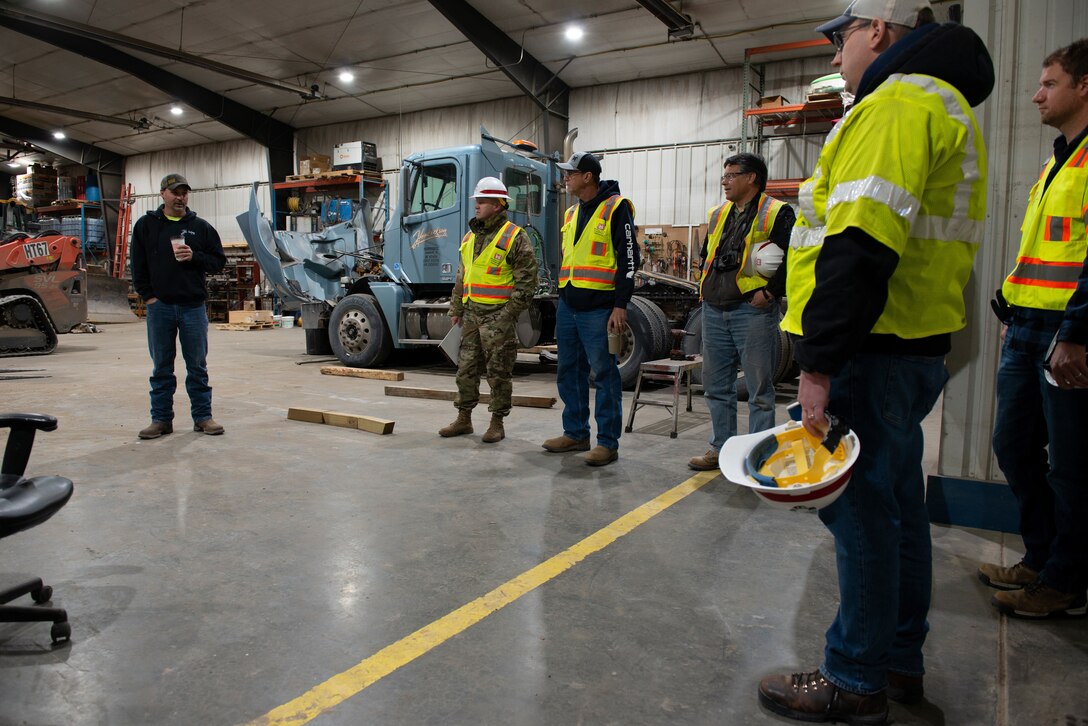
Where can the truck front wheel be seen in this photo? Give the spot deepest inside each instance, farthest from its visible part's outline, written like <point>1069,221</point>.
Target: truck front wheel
<point>357,332</point>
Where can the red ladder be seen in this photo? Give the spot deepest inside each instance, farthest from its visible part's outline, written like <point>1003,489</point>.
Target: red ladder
<point>124,227</point>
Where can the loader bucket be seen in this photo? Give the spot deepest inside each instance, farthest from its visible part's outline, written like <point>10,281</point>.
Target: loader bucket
<point>107,299</point>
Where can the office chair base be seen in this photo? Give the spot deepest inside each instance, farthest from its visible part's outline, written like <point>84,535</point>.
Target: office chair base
<point>40,593</point>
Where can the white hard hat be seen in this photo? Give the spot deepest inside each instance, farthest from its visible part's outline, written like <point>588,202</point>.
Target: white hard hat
<point>767,258</point>
<point>766,463</point>
<point>490,187</point>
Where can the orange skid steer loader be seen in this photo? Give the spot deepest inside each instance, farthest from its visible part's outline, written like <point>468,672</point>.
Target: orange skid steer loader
<point>43,291</point>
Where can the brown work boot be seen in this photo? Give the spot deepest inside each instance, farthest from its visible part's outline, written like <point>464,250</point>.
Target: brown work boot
<point>157,429</point>
<point>600,455</point>
<point>560,444</point>
<point>905,689</point>
<point>462,424</point>
<point>495,432</point>
<point>208,426</point>
<point>809,697</point>
<point>706,462</point>
<point>1007,578</point>
<point>1039,600</point>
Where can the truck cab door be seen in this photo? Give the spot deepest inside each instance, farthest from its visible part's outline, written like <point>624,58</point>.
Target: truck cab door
<point>433,221</point>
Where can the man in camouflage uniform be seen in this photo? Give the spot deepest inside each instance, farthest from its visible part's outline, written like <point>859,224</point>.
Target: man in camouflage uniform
<point>496,281</point>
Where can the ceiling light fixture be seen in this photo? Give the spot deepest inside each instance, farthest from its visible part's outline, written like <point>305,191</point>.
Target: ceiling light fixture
<point>176,110</point>
<point>58,135</point>
<point>15,164</point>
<point>346,76</point>
<point>574,32</point>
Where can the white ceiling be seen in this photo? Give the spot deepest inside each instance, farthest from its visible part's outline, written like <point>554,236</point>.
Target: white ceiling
<point>405,54</point>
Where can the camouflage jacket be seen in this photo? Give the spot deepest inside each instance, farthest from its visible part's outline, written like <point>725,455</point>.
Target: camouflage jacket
<point>522,261</point>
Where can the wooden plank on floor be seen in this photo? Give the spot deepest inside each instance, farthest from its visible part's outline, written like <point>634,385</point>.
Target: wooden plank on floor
<point>373,373</point>
<point>439,395</point>
<point>344,420</point>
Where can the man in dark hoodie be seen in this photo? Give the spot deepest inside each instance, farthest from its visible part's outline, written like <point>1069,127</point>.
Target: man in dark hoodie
<point>172,251</point>
<point>596,280</point>
<point>890,222</point>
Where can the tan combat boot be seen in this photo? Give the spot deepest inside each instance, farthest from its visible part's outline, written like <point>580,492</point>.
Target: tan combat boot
<point>495,432</point>
<point>460,427</point>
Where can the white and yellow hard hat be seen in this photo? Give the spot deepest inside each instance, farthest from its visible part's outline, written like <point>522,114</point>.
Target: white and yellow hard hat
<point>789,468</point>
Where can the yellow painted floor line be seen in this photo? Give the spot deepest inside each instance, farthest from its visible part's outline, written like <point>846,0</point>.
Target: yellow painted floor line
<point>343,686</point>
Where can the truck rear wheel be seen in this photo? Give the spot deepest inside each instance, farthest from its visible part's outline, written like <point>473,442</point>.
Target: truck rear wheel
<point>639,342</point>
<point>358,334</point>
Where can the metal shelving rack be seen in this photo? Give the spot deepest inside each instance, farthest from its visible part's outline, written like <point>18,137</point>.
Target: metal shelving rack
<point>820,110</point>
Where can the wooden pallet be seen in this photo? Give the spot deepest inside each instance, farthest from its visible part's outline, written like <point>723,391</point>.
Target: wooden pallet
<point>336,174</point>
<point>244,326</point>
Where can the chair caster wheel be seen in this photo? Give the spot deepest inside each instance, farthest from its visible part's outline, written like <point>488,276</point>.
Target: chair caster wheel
<point>61,631</point>
<point>42,594</point>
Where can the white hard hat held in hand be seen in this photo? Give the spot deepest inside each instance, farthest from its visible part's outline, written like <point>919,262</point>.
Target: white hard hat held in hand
<point>490,187</point>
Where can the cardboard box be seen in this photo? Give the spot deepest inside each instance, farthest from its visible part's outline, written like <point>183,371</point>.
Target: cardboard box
<point>772,102</point>
<point>249,317</point>
<point>314,164</point>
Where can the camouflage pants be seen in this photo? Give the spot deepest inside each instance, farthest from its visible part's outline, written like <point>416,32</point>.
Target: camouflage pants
<point>489,348</point>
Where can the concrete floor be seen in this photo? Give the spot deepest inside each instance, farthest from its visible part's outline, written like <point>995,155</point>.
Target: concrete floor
<point>210,580</point>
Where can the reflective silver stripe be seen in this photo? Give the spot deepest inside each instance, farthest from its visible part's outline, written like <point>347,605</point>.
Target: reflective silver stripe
<point>714,217</point>
<point>586,273</point>
<point>806,200</point>
<point>807,236</point>
<point>764,213</point>
<point>893,196</point>
<point>944,229</point>
<point>507,235</point>
<point>1057,229</point>
<point>961,206</point>
<point>1047,273</point>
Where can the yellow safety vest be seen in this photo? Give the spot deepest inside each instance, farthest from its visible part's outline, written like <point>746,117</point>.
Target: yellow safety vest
<point>1053,242</point>
<point>925,200</point>
<point>766,214</point>
<point>488,278</point>
<point>591,263</point>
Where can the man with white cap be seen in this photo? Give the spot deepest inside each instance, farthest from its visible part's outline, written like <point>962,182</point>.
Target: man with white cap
<point>496,281</point>
<point>888,228</point>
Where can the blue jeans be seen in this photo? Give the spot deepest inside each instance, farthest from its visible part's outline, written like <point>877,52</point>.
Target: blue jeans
<point>166,324</point>
<point>582,336</point>
<point>880,523</point>
<point>748,336</point>
<point>1052,489</point>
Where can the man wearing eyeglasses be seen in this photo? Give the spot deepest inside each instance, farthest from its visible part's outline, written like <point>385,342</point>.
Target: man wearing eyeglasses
<point>743,279</point>
<point>596,280</point>
<point>888,228</point>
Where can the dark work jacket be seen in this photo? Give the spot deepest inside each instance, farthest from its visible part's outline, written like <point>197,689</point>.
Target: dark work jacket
<point>627,254</point>
<point>853,269</point>
<point>155,271</point>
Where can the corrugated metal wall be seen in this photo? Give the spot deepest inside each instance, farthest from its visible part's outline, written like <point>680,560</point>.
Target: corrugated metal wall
<point>221,176</point>
<point>1019,35</point>
<point>676,184</point>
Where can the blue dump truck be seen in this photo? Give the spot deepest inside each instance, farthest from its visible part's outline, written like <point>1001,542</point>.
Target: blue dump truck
<point>362,299</point>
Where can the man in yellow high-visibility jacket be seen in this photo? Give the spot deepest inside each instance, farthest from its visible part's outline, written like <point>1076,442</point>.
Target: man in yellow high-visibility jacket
<point>888,228</point>
<point>1041,428</point>
<point>596,281</point>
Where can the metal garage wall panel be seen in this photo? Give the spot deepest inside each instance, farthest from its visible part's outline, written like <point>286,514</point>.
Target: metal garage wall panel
<point>1019,35</point>
<point>221,175</point>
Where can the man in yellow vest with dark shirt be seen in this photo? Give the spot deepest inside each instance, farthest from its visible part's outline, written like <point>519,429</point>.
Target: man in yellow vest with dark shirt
<point>887,232</point>
<point>743,278</point>
<point>496,280</point>
<point>596,280</point>
<point>1042,428</point>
